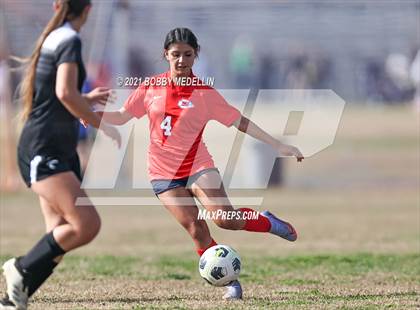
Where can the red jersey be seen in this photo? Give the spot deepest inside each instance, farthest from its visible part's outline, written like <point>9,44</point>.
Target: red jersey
<point>177,118</point>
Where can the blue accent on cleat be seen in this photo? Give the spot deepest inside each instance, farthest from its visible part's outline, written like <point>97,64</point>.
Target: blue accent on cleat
<point>280,228</point>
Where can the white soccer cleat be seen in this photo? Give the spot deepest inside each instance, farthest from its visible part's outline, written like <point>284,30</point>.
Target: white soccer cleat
<point>6,304</point>
<point>17,291</point>
<point>233,291</point>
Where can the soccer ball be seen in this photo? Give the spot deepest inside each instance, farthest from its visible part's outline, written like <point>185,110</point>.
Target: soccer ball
<point>220,265</point>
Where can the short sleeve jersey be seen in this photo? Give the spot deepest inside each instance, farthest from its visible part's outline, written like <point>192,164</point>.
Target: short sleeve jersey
<point>51,128</point>
<point>177,118</point>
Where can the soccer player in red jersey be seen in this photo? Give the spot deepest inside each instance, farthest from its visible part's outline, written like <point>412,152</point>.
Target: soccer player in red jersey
<point>179,164</point>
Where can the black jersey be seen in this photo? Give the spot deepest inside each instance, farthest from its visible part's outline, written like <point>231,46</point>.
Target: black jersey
<point>51,129</point>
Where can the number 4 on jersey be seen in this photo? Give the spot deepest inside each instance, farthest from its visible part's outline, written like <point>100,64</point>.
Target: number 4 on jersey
<point>166,125</point>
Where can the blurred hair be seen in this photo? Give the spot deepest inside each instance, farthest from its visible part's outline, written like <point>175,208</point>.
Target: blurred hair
<point>181,35</point>
<point>67,10</point>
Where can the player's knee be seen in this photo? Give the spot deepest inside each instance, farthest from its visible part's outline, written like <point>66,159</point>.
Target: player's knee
<point>88,230</point>
<point>94,227</point>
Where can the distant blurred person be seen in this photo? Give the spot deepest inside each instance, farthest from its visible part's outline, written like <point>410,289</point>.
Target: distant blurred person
<point>415,77</point>
<point>267,73</point>
<point>397,68</point>
<point>9,178</point>
<point>47,157</point>
<point>241,62</point>
<point>83,143</point>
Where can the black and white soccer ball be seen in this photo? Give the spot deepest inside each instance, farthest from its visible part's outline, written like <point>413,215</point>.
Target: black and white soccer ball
<point>220,265</point>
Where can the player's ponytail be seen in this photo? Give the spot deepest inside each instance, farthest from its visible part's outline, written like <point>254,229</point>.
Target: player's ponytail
<point>182,35</point>
<point>66,10</point>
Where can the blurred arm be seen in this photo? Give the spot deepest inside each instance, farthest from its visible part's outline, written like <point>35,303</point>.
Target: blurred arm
<point>245,125</point>
<point>67,92</point>
<point>119,117</point>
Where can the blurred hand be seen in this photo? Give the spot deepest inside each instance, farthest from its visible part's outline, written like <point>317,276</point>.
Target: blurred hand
<point>289,150</point>
<point>85,123</point>
<point>100,95</point>
<point>112,132</point>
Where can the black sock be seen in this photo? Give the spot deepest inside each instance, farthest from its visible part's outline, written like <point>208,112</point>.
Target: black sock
<point>41,255</point>
<point>38,264</point>
<point>39,277</point>
<point>35,279</point>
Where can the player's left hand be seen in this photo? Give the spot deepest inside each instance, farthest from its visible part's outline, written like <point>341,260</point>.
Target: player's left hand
<point>100,95</point>
<point>289,150</point>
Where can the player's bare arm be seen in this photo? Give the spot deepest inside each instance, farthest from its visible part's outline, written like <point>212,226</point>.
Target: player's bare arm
<point>119,117</point>
<point>67,92</point>
<point>247,126</point>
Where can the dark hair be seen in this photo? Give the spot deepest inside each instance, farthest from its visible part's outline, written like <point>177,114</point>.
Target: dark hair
<point>182,35</point>
<point>67,10</point>
<point>76,7</point>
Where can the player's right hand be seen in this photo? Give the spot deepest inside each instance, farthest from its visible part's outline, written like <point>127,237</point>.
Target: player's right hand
<point>290,150</point>
<point>100,95</point>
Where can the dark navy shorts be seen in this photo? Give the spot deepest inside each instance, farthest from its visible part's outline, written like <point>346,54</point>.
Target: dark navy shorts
<point>160,186</point>
<point>42,166</point>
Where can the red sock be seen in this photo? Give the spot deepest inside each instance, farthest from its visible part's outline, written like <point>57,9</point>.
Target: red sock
<point>261,224</point>
<point>201,251</point>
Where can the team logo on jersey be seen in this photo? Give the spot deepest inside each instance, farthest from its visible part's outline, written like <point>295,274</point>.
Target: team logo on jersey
<point>185,104</point>
<point>52,164</point>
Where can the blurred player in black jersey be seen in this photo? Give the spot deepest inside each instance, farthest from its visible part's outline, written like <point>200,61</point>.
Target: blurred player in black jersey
<point>47,155</point>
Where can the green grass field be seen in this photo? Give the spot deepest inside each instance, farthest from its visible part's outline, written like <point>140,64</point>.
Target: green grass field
<point>309,281</point>
<point>355,206</point>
